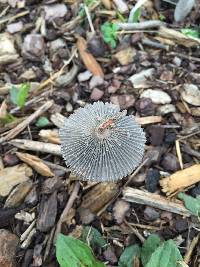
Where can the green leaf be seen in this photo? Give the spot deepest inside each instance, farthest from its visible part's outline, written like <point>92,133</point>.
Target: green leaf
<point>109,31</point>
<point>7,119</point>
<point>191,203</point>
<point>94,236</point>
<point>149,246</point>
<point>42,122</point>
<point>136,15</point>
<point>19,95</point>
<point>22,95</point>
<point>162,17</point>
<point>128,256</point>
<point>190,32</point>
<point>14,94</point>
<point>71,252</point>
<point>166,255</point>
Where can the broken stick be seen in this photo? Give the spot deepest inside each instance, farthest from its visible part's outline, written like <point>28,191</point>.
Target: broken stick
<point>37,146</point>
<point>181,179</point>
<point>154,200</point>
<point>21,126</point>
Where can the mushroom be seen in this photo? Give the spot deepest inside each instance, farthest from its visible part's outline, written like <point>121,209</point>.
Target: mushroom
<point>100,143</point>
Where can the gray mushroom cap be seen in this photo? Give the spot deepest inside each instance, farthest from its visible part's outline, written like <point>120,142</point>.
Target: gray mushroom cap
<point>100,143</point>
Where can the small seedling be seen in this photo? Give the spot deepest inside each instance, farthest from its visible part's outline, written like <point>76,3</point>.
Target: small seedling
<point>71,252</point>
<point>191,33</point>
<point>109,31</point>
<point>18,95</point>
<point>42,122</point>
<point>136,15</point>
<point>8,118</point>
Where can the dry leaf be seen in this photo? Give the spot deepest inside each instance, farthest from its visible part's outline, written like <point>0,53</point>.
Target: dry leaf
<point>12,176</point>
<point>50,136</point>
<point>90,62</point>
<point>178,37</point>
<point>3,109</point>
<point>18,194</point>
<point>36,163</point>
<point>107,4</point>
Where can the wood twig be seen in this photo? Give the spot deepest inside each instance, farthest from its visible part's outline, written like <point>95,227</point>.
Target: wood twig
<point>191,248</point>
<point>140,25</point>
<point>135,231</point>
<point>36,146</point>
<point>180,179</point>
<point>148,120</point>
<point>12,18</point>
<point>67,208</point>
<point>20,127</point>
<point>154,200</point>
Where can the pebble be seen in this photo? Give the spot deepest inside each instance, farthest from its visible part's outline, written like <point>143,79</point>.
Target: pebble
<point>8,247</point>
<point>166,75</point>
<point>166,109</point>
<point>47,66</point>
<point>10,159</point>
<point>167,216</point>
<point>69,107</point>
<point>139,80</point>
<point>181,225</point>
<point>8,54</point>
<point>86,216</point>
<point>138,179</point>
<point>115,85</point>
<point>152,180</point>
<point>145,107</point>
<point>124,101</point>
<point>125,56</point>
<point>191,94</point>
<point>55,11</point>
<point>157,96</point>
<point>170,137</point>
<point>120,209</point>
<point>96,81</point>
<point>156,135</point>
<point>28,75</point>
<point>109,255</point>
<point>96,94</point>
<point>151,214</point>
<point>96,46</point>
<point>57,44</point>
<point>170,162</point>
<point>121,6</point>
<point>195,191</point>
<point>15,27</point>
<point>33,45</point>
<point>177,61</point>
<point>84,76</point>
<point>153,155</point>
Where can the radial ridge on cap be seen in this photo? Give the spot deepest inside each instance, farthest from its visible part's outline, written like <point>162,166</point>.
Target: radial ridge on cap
<point>100,143</point>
